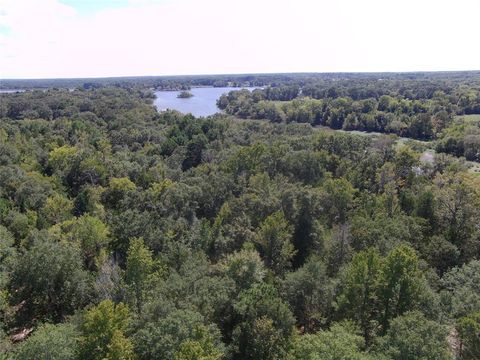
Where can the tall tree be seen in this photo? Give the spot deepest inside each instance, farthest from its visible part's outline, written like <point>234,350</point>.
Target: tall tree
<point>274,240</point>
<point>398,283</point>
<point>140,265</point>
<point>359,299</point>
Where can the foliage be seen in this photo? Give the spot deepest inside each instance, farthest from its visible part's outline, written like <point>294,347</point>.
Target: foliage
<point>275,245</point>
<point>103,335</point>
<point>48,281</point>
<point>175,335</point>
<point>265,327</point>
<point>140,265</point>
<point>230,237</point>
<point>461,294</point>
<point>50,342</point>
<point>412,336</point>
<point>338,343</point>
<point>377,290</point>
<point>469,331</point>
<point>309,291</point>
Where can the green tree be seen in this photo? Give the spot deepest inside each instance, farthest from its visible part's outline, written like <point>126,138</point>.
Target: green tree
<point>195,149</point>
<point>7,259</point>
<point>399,283</point>
<point>412,336</point>
<point>90,233</point>
<point>340,342</point>
<point>244,267</point>
<point>117,189</point>
<point>50,342</point>
<point>309,292</point>
<point>119,348</point>
<point>378,289</point>
<point>49,280</point>
<point>174,334</point>
<point>62,158</point>
<point>140,265</point>
<point>338,197</point>
<point>103,333</point>
<point>461,294</point>
<point>359,299</point>
<point>204,348</point>
<point>469,332</point>
<point>266,324</point>
<point>7,255</point>
<point>308,235</point>
<point>457,204</point>
<point>405,160</point>
<point>57,208</point>
<point>421,127</point>
<point>274,240</point>
<point>88,201</point>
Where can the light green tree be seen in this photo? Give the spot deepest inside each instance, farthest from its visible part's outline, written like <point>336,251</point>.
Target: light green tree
<point>57,208</point>
<point>61,158</point>
<point>377,289</point>
<point>140,265</point>
<point>202,348</point>
<point>103,333</point>
<point>398,284</point>
<point>340,342</point>
<point>88,232</point>
<point>245,267</point>
<point>117,189</point>
<point>412,336</point>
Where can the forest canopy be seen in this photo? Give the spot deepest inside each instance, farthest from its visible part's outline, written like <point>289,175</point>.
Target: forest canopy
<point>127,233</point>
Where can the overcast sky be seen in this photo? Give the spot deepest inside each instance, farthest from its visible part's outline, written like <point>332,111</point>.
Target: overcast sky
<point>96,38</point>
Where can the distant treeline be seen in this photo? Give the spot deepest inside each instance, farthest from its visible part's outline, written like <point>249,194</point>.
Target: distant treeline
<point>305,80</point>
<point>419,108</point>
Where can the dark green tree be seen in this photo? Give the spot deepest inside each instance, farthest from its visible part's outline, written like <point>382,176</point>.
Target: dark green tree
<point>49,281</point>
<point>274,241</point>
<point>265,326</point>
<point>469,332</point>
<point>50,342</point>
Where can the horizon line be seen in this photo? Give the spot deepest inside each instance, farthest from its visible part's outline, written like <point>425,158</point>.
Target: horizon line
<point>243,74</point>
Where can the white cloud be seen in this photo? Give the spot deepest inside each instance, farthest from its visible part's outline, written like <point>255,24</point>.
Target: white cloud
<point>49,39</point>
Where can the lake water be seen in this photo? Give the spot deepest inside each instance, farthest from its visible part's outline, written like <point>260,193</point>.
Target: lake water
<point>8,91</point>
<point>202,103</point>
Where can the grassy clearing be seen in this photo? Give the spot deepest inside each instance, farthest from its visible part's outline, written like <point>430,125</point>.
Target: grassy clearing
<point>468,118</point>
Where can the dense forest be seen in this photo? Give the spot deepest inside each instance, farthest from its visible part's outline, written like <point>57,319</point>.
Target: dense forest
<point>416,109</point>
<point>127,233</point>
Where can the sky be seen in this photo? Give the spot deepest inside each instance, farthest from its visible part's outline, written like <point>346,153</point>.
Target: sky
<point>104,38</point>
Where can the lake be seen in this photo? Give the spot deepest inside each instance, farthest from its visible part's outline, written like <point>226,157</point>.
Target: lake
<point>202,103</point>
<point>10,91</point>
